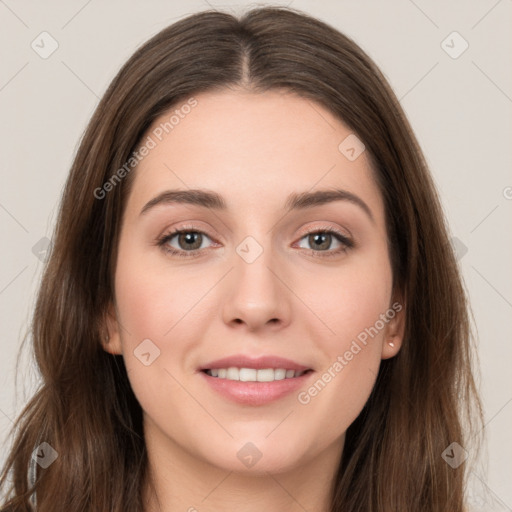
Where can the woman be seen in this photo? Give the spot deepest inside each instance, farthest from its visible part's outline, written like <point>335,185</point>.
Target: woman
<point>251,299</point>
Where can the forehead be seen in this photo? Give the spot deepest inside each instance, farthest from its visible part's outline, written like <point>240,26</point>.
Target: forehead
<point>253,148</point>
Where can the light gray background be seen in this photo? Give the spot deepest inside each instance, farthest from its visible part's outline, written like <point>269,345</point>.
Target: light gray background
<point>460,109</point>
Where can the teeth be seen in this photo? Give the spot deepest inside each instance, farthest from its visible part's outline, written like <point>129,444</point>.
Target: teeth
<point>233,374</point>
<point>253,375</point>
<point>246,374</point>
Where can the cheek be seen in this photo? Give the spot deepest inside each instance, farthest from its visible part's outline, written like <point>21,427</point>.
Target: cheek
<point>155,305</point>
<point>146,362</point>
<point>348,302</point>
<point>351,304</point>
<point>150,301</point>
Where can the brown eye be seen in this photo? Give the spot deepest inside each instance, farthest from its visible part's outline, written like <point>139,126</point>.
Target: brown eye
<point>321,241</point>
<point>188,242</point>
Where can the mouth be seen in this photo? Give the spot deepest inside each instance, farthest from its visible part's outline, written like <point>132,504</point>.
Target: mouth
<point>249,380</point>
<point>255,387</point>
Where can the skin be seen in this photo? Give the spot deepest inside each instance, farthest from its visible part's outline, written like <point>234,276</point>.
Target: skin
<point>254,150</point>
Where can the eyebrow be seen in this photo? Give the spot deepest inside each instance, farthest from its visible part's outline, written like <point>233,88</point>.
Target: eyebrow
<point>295,201</point>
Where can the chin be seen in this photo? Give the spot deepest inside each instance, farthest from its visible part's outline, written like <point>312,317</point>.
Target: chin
<point>257,458</point>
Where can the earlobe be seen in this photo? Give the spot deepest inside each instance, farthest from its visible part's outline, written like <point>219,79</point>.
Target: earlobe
<point>390,348</point>
<point>110,339</point>
<point>112,345</point>
<point>395,331</point>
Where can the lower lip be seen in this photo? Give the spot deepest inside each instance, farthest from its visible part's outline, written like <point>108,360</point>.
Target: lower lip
<point>255,393</point>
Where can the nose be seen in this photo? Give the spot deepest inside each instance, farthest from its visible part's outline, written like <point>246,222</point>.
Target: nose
<point>256,295</point>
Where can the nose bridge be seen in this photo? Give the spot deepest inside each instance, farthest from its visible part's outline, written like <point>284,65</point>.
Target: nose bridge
<point>256,296</point>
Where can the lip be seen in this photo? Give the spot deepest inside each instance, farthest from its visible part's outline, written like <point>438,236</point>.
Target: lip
<point>258,363</point>
<point>255,393</point>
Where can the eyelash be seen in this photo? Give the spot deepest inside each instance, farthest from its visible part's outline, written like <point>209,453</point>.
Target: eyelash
<point>347,243</point>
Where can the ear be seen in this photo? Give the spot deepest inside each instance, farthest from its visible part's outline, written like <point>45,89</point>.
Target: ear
<point>395,328</point>
<point>110,337</point>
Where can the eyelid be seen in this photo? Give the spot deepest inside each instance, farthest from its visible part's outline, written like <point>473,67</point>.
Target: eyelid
<point>188,227</point>
<point>326,227</point>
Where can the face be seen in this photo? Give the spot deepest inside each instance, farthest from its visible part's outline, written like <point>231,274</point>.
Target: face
<point>271,269</point>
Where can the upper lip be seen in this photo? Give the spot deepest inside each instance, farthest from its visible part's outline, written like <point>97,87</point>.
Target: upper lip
<point>243,361</point>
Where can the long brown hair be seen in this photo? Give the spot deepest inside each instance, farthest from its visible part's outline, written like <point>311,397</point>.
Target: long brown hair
<point>424,398</point>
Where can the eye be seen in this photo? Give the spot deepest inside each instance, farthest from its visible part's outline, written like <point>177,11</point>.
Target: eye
<point>321,239</point>
<point>189,241</point>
